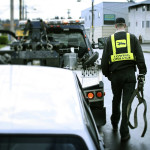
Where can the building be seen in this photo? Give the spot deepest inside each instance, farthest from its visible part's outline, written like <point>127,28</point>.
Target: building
<point>105,14</point>
<point>1,25</point>
<point>139,20</point>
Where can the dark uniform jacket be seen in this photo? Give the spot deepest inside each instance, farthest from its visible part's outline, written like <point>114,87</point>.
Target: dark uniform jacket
<point>108,66</point>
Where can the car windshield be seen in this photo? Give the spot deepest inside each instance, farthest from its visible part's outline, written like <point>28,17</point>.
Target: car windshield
<point>40,142</point>
<point>68,39</point>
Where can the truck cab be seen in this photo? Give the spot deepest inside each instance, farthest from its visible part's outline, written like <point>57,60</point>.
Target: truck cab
<point>78,56</point>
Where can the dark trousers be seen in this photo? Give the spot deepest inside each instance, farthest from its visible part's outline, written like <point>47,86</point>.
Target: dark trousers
<point>123,85</point>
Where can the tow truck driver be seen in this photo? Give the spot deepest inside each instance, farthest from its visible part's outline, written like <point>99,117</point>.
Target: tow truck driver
<point>120,56</point>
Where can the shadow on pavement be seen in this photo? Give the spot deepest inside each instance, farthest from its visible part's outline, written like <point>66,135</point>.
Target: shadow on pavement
<point>112,140</point>
<point>136,142</point>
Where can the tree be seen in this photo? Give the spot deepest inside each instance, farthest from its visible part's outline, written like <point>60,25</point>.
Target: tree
<point>131,1</point>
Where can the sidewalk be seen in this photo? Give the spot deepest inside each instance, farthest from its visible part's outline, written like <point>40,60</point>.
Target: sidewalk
<point>5,48</point>
<point>146,47</point>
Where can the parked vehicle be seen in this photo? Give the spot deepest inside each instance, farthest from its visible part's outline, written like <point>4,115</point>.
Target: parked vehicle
<point>45,108</point>
<point>63,44</point>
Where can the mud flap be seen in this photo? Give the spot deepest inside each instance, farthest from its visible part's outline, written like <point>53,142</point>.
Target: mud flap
<point>99,116</point>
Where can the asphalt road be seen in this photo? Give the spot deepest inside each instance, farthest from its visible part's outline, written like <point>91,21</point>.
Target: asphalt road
<point>111,139</point>
<point>136,142</point>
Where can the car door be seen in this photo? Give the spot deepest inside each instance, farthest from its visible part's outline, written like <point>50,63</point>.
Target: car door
<point>91,126</point>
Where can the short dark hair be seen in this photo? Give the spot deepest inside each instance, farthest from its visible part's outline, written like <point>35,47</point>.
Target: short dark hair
<point>120,21</point>
<point>120,24</point>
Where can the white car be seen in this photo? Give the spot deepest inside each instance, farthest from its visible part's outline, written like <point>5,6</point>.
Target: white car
<point>44,108</point>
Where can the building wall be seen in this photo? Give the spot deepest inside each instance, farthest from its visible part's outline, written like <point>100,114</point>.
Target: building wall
<point>97,33</point>
<point>136,17</point>
<point>145,32</point>
<point>98,16</point>
<point>108,30</point>
<point>103,31</point>
<point>119,9</point>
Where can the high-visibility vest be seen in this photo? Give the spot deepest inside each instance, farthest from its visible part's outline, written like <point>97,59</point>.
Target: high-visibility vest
<point>124,43</point>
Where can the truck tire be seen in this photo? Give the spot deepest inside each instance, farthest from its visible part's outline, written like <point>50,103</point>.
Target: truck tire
<point>91,60</point>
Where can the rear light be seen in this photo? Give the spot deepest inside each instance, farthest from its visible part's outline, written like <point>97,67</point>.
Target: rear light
<point>90,95</point>
<point>94,95</point>
<point>65,22</point>
<point>99,94</point>
<point>77,21</point>
<point>54,26</point>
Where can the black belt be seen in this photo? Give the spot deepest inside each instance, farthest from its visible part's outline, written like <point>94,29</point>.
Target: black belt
<point>139,93</point>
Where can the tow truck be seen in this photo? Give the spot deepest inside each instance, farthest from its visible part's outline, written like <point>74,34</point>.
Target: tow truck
<point>64,44</point>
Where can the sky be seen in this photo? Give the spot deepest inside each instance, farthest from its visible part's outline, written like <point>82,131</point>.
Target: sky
<point>47,9</point>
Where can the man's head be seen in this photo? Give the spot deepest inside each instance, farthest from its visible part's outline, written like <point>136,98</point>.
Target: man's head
<point>120,23</point>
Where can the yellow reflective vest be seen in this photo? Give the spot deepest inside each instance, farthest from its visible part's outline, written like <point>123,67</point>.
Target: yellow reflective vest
<point>123,43</point>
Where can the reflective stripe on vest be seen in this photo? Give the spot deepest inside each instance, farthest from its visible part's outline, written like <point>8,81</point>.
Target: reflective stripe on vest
<point>120,44</point>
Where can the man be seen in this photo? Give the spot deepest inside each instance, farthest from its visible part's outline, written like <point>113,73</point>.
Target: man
<point>121,54</point>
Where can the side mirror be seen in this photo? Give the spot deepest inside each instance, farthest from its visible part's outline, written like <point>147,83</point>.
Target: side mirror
<point>102,42</point>
<point>95,45</point>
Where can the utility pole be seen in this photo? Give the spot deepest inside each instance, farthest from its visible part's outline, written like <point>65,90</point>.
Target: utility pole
<point>12,15</point>
<point>26,12</point>
<point>92,21</point>
<point>23,10</point>
<point>68,12</point>
<point>20,9</point>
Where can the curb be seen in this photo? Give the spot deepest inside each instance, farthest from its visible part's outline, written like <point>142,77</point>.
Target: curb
<point>146,51</point>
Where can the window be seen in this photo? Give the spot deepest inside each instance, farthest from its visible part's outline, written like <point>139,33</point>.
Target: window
<point>142,24</point>
<point>136,23</point>
<point>147,24</point>
<point>68,39</point>
<point>109,19</point>
<point>136,8</point>
<point>129,10</point>
<point>148,7</point>
<point>128,24</point>
<point>99,15</point>
<point>40,142</point>
<point>85,18</point>
<point>143,8</point>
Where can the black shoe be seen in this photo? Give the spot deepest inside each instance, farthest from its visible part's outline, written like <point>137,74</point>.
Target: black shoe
<point>125,138</point>
<point>115,127</point>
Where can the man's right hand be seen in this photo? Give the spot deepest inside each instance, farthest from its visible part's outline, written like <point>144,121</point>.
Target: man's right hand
<point>141,77</point>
